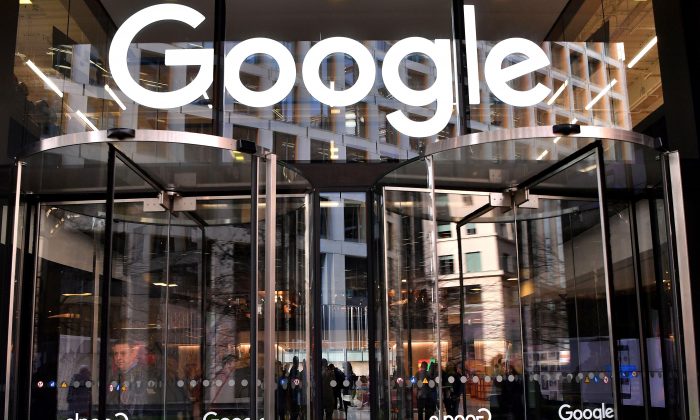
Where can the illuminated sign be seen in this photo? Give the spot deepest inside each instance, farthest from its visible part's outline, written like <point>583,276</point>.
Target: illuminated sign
<point>212,415</point>
<point>485,414</point>
<point>600,413</point>
<point>438,50</point>
<point>120,416</point>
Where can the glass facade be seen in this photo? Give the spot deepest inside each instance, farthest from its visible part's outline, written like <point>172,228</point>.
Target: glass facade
<point>433,248</point>
<point>594,76</point>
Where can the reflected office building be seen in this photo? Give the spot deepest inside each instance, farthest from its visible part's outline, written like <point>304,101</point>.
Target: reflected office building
<point>367,210</point>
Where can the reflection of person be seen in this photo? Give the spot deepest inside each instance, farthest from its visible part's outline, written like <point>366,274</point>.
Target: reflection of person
<point>192,372</point>
<point>363,391</point>
<point>303,389</point>
<point>451,392</point>
<point>512,397</point>
<point>79,399</point>
<point>295,387</point>
<point>339,377</point>
<point>349,391</point>
<point>426,401</point>
<point>178,403</point>
<point>329,401</point>
<point>497,400</point>
<point>281,392</point>
<point>134,389</point>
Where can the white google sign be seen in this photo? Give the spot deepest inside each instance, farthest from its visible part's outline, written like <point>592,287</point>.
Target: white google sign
<point>599,413</point>
<point>438,50</point>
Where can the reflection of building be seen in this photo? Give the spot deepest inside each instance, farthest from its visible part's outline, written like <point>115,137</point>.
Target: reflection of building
<point>489,266</point>
<point>587,81</point>
<point>344,278</point>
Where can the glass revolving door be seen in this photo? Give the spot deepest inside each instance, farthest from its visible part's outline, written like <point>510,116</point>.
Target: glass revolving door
<point>167,238</point>
<point>528,277</point>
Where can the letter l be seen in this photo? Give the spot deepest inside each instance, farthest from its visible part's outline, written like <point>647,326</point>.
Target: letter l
<point>472,54</point>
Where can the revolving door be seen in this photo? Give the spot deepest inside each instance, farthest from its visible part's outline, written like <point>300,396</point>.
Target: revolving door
<point>531,275</point>
<point>168,237</point>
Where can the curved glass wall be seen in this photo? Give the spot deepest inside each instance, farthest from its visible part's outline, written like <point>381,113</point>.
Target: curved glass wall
<point>529,278</point>
<point>207,303</point>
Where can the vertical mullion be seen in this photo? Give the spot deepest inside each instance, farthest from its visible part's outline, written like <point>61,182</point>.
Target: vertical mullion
<point>307,297</point>
<point>166,330</point>
<point>521,308</point>
<point>608,270</point>
<point>640,316</point>
<point>270,276</point>
<point>384,296</point>
<point>318,325</point>
<point>26,309</point>
<point>12,246</point>
<point>203,319</point>
<point>372,278</point>
<point>463,350</point>
<point>664,327</point>
<point>106,283</point>
<point>436,272</point>
<point>680,279</point>
<point>253,353</point>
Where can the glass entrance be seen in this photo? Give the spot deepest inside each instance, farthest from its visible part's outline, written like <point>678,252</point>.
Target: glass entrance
<point>206,301</point>
<point>169,276</point>
<point>519,283</point>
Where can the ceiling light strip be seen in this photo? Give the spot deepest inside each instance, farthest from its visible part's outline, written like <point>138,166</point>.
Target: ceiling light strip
<point>86,120</point>
<point>115,97</point>
<point>602,93</point>
<point>643,52</point>
<point>45,78</point>
<point>558,92</point>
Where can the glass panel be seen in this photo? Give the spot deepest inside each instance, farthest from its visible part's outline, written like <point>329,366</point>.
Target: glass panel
<point>344,307</point>
<point>292,333</point>
<point>140,358</point>
<point>479,314</point>
<point>191,169</point>
<point>563,295</point>
<point>65,360</point>
<point>227,308</point>
<point>626,317</point>
<point>658,308</point>
<point>67,242</point>
<point>76,169</point>
<point>411,305</point>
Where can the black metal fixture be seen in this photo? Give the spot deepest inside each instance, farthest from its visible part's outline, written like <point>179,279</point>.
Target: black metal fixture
<point>121,133</point>
<point>566,129</point>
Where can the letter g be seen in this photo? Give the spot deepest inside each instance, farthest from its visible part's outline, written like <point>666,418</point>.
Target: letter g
<point>119,50</point>
<point>209,413</point>
<point>487,411</point>
<point>562,408</point>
